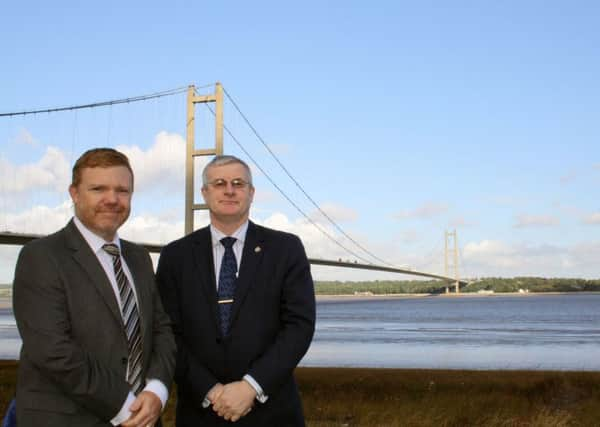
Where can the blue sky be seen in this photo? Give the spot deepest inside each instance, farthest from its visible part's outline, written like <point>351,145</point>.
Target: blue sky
<point>400,119</point>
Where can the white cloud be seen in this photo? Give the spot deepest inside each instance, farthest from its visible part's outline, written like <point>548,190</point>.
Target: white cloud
<point>498,258</point>
<point>319,246</point>
<point>425,211</point>
<point>316,242</point>
<point>499,249</point>
<point>51,173</point>
<point>40,219</point>
<point>161,166</point>
<point>584,258</point>
<point>523,221</point>
<point>592,219</point>
<point>490,252</point>
<point>151,229</point>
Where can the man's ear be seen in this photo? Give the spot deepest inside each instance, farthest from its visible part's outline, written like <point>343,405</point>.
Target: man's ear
<point>73,193</point>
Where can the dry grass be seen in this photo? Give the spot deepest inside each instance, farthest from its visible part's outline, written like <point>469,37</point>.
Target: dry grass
<point>422,398</point>
<point>394,397</point>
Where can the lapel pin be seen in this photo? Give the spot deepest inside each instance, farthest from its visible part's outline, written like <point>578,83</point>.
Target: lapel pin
<point>257,249</point>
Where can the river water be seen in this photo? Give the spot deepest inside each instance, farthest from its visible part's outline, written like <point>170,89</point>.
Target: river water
<point>555,332</point>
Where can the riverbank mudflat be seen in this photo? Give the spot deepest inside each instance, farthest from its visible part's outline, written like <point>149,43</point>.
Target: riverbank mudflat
<point>424,398</point>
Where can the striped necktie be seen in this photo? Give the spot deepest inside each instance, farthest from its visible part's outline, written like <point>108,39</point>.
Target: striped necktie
<point>227,283</point>
<point>131,320</point>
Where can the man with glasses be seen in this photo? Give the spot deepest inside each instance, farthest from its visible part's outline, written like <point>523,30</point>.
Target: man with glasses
<point>242,303</point>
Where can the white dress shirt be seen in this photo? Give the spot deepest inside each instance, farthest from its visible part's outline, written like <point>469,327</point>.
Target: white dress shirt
<point>218,252</point>
<point>95,242</point>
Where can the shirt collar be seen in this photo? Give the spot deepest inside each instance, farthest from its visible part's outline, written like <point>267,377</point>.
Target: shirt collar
<point>239,234</point>
<point>96,242</point>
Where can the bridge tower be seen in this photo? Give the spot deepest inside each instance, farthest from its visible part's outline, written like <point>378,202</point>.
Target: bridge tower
<point>451,236</point>
<point>192,152</point>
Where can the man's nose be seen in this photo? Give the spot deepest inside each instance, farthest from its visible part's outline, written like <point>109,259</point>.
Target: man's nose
<point>229,188</point>
<point>111,196</point>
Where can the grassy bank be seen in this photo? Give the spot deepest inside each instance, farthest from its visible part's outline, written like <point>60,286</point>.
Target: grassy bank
<point>393,397</point>
<point>404,397</point>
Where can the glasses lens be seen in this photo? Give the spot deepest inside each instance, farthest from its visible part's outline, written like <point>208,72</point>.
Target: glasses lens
<point>236,183</point>
<point>219,183</point>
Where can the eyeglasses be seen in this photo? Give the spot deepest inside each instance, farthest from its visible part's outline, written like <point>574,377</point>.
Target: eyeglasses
<point>236,183</point>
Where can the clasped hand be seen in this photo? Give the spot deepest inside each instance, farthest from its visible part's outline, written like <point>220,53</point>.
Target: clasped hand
<point>232,401</point>
<point>145,410</point>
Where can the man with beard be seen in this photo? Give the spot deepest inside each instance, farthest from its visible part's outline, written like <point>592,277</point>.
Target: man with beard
<point>97,346</point>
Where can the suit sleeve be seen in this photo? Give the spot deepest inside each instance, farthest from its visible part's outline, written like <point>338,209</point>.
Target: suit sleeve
<point>297,321</point>
<point>40,306</point>
<point>192,377</point>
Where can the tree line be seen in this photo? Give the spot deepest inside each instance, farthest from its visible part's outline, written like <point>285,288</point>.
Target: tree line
<point>495,284</point>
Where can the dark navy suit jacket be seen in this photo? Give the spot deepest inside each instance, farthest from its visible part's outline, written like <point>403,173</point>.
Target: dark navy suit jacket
<point>272,323</point>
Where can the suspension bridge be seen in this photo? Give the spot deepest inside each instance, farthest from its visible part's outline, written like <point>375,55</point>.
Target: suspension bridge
<point>368,261</point>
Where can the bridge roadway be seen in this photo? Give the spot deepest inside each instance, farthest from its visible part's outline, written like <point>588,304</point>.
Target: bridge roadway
<point>8,238</point>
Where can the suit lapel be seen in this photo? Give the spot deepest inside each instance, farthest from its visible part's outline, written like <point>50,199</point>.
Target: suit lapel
<point>251,258</point>
<point>87,260</point>
<point>204,273</point>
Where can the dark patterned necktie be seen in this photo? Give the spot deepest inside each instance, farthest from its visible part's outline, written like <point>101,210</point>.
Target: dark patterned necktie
<point>131,320</point>
<point>227,283</point>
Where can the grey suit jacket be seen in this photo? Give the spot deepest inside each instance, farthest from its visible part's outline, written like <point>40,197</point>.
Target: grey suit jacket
<point>74,356</point>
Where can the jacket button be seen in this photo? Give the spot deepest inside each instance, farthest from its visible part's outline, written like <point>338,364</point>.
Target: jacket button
<point>124,360</point>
